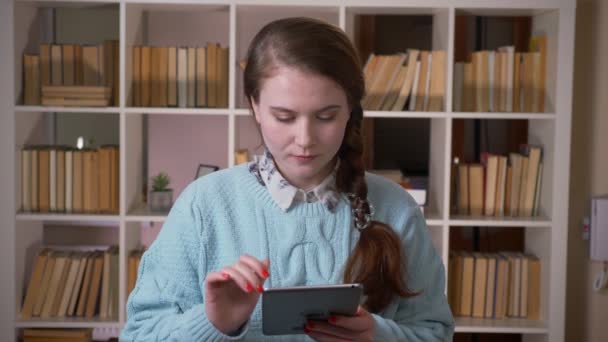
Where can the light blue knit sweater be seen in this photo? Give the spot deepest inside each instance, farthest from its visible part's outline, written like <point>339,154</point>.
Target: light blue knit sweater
<point>227,213</point>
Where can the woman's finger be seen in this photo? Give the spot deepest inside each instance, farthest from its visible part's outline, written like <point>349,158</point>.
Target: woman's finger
<point>322,337</point>
<point>216,278</point>
<point>250,276</point>
<point>359,322</point>
<point>231,272</point>
<point>260,267</point>
<point>330,330</point>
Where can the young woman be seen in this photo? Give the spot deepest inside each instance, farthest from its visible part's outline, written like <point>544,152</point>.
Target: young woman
<point>304,212</point>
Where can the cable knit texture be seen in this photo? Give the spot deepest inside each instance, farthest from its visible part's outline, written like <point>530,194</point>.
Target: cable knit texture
<point>228,213</point>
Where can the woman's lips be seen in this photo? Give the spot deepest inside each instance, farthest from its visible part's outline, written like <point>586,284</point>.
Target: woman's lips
<point>304,158</point>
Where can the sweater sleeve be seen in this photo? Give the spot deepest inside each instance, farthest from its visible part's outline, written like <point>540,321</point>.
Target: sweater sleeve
<point>427,316</point>
<point>167,303</point>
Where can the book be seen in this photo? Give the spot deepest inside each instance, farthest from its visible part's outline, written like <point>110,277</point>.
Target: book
<point>35,284</point>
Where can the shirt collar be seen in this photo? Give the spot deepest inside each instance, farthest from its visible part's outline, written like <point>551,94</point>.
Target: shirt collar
<point>284,193</point>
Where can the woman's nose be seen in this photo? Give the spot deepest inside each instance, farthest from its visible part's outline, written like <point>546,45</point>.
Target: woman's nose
<point>304,134</point>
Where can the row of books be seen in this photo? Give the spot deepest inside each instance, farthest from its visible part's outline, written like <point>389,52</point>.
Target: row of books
<point>65,335</point>
<point>502,80</point>
<point>496,286</point>
<point>500,185</point>
<point>180,76</point>
<point>71,65</point>
<point>73,283</point>
<point>132,267</point>
<point>413,81</point>
<point>68,180</point>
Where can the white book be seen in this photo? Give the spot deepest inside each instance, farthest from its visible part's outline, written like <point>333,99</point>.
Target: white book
<point>419,195</point>
<point>182,77</point>
<point>501,183</point>
<point>26,181</point>
<point>427,86</point>
<point>458,86</point>
<point>53,180</point>
<point>491,84</point>
<point>539,180</point>
<point>34,178</point>
<point>69,181</point>
<point>414,93</point>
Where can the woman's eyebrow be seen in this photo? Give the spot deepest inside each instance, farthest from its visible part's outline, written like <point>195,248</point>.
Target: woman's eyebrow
<point>289,111</point>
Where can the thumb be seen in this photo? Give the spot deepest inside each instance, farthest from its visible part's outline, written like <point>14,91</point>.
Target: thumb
<point>266,263</point>
<point>360,311</point>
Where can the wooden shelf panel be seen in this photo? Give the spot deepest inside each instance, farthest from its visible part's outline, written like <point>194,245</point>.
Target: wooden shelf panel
<point>486,221</point>
<point>67,322</point>
<point>500,326</point>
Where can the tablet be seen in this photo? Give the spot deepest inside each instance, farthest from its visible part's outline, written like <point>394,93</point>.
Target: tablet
<point>286,310</point>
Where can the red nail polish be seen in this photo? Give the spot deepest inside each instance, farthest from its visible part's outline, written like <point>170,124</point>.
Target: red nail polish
<point>260,289</point>
<point>332,319</point>
<point>225,275</point>
<point>310,325</point>
<point>306,330</point>
<point>265,274</point>
<point>249,287</point>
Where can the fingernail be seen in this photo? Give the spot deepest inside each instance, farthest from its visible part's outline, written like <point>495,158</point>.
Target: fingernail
<point>249,287</point>
<point>260,289</point>
<point>310,325</point>
<point>306,330</point>
<point>332,319</point>
<point>265,274</point>
<point>225,275</point>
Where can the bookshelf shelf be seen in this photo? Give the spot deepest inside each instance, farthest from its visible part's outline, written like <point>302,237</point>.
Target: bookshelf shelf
<point>144,215</point>
<point>39,109</point>
<point>504,116</point>
<point>403,115</point>
<point>66,217</point>
<point>480,221</point>
<point>505,326</point>
<point>66,323</point>
<point>68,3</point>
<point>242,112</point>
<point>221,131</point>
<point>141,213</point>
<point>183,111</point>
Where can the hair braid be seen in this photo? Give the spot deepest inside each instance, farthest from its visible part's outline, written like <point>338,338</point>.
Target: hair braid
<point>385,277</point>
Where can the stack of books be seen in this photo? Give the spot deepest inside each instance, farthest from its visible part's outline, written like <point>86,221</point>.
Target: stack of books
<point>71,335</point>
<point>81,96</point>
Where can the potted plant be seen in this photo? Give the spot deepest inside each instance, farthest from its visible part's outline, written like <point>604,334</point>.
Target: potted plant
<point>161,196</point>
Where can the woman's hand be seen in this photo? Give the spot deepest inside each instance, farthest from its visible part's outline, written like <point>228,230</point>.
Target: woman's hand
<point>232,293</point>
<point>360,327</point>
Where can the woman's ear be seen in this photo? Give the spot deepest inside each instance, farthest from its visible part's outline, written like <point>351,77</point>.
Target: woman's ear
<point>256,110</point>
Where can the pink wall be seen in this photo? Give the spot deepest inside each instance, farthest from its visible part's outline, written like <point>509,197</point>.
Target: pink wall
<point>178,143</point>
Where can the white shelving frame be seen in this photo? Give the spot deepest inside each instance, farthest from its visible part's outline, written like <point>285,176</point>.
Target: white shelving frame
<point>545,236</point>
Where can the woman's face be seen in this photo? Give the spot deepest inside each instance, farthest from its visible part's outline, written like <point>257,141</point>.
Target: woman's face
<point>303,118</point>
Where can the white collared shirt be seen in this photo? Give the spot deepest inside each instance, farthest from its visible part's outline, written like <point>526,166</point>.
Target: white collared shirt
<point>284,193</point>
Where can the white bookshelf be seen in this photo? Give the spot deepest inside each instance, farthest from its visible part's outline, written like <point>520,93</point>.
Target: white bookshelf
<point>233,23</point>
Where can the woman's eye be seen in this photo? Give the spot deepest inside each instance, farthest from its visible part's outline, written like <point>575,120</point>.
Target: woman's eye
<point>285,118</point>
<point>326,117</point>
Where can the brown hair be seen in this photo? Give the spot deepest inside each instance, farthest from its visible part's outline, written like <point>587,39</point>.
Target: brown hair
<point>378,261</point>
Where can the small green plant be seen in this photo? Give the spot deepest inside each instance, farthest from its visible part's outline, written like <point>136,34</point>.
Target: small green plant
<point>160,182</point>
